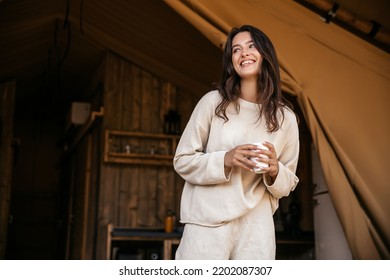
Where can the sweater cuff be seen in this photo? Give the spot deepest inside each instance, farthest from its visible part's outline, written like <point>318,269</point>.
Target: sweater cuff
<point>267,178</point>
<point>227,172</point>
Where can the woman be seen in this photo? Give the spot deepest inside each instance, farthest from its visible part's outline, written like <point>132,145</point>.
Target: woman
<point>226,207</point>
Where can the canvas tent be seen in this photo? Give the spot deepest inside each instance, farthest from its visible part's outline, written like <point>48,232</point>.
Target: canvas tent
<point>342,84</point>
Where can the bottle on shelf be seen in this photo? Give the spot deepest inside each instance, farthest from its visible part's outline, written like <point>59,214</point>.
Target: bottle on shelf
<point>169,221</point>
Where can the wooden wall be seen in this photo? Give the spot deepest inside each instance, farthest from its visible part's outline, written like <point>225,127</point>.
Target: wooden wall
<point>137,195</point>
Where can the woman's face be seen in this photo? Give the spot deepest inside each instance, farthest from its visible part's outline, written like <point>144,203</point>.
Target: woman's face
<point>246,58</point>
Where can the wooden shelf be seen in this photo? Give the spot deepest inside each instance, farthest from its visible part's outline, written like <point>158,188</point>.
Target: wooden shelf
<point>149,235</point>
<point>139,148</point>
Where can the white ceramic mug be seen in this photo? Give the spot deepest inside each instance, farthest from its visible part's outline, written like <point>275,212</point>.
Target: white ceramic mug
<point>259,164</point>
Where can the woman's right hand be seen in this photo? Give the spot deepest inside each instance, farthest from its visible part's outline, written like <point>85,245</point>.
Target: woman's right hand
<point>240,157</point>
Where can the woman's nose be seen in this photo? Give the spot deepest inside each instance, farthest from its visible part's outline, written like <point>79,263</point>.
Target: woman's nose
<point>245,52</point>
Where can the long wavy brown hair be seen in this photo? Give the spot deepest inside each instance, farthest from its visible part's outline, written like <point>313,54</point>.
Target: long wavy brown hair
<point>269,93</point>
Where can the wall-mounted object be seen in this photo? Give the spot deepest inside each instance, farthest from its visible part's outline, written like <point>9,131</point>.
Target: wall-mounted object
<point>78,114</point>
<point>139,148</point>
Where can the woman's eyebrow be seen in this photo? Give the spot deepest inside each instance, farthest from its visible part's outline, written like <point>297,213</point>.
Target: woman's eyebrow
<point>246,43</point>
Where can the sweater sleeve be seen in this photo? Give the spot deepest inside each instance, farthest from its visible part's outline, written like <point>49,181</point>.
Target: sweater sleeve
<point>191,160</point>
<point>286,180</point>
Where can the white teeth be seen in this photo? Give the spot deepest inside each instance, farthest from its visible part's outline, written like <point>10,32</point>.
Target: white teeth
<point>247,62</point>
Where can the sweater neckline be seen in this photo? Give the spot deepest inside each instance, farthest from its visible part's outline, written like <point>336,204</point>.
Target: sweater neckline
<point>244,102</point>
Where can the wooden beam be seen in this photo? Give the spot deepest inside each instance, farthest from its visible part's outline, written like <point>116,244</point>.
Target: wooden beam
<point>368,29</point>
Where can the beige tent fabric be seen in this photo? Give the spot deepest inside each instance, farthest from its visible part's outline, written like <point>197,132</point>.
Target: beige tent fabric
<point>343,86</point>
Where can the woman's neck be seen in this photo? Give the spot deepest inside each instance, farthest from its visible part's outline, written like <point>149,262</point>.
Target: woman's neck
<point>248,90</point>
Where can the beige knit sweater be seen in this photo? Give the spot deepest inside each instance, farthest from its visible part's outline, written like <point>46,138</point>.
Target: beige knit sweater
<point>210,197</point>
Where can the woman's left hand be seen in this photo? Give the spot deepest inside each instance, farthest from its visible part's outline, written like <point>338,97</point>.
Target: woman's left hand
<point>271,160</point>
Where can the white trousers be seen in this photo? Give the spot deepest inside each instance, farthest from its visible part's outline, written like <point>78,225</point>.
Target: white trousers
<point>251,237</point>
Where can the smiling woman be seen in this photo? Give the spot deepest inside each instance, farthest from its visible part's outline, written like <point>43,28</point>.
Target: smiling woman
<point>226,207</point>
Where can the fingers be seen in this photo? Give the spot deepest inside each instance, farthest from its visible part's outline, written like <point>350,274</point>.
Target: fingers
<point>241,156</point>
<point>272,160</point>
<point>242,159</point>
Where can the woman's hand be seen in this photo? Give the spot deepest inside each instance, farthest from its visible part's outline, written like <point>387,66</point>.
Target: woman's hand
<point>240,157</point>
<point>271,160</point>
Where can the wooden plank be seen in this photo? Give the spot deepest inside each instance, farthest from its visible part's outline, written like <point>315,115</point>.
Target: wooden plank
<point>87,185</point>
<point>156,122</point>
<point>136,90</point>
<point>166,183</point>
<point>93,192</point>
<point>125,173</point>
<point>147,196</point>
<point>112,93</point>
<point>135,183</point>
<point>132,204</point>
<point>7,100</point>
<point>127,106</point>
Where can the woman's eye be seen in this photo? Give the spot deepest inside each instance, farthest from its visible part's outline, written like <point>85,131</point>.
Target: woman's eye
<point>251,46</point>
<point>236,50</point>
